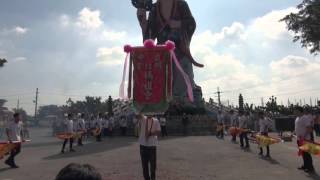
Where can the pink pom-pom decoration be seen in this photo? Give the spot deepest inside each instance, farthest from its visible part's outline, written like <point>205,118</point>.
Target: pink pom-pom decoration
<point>170,45</point>
<point>149,43</point>
<point>127,48</point>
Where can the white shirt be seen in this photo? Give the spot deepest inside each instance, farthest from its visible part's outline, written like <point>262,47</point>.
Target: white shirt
<point>81,124</point>
<point>163,121</point>
<point>14,130</point>
<point>264,125</point>
<point>243,122</point>
<point>69,126</point>
<point>106,123</point>
<point>221,118</point>
<point>99,123</point>
<point>234,120</point>
<point>123,122</point>
<point>301,125</point>
<point>111,122</point>
<point>153,126</point>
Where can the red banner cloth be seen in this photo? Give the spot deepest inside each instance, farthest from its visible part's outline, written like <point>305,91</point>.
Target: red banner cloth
<point>152,75</point>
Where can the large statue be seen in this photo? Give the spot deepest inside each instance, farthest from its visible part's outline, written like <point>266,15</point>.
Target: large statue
<point>172,20</point>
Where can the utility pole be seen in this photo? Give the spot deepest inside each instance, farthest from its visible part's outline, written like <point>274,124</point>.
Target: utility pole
<point>262,102</point>
<point>18,104</point>
<point>310,102</point>
<point>219,96</point>
<point>36,105</point>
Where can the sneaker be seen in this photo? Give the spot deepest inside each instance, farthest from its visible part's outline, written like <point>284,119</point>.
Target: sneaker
<point>310,171</point>
<point>14,166</point>
<point>301,168</point>
<point>62,152</point>
<point>9,163</point>
<point>260,154</point>
<point>268,156</point>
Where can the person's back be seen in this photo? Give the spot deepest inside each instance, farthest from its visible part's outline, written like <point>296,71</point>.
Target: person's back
<point>78,172</point>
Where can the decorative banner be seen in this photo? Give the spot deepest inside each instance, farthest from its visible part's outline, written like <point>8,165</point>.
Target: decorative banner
<point>150,77</point>
<point>264,141</point>
<point>312,148</point>
<point>7,147</point>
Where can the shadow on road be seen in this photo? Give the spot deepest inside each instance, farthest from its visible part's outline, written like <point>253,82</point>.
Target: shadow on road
<point>94,148</point>
<point>270,160</point>
<point>5,169</point>
<point>314,176</point>
<point>42,144</point>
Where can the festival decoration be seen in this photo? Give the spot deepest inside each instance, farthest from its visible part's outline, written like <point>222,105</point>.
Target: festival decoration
<point>150,77</point>
<point>64,136</point>
<point>220,128</point>
<point>264,141</point>
<point>312,148</point>
<point>96,132</point>
<point>7,147</point>
<point>234,131</point>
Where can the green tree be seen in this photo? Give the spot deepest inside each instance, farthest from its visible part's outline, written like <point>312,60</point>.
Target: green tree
<point>306,25</point>
<point>48,110</point>
<point>2,62</point>
<point>241,103</point>
<point>211,101</point>
<point>272,105</point>
<point>110,105</point>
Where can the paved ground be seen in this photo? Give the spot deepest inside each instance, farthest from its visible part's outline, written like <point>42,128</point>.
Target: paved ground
<point>179,158</point>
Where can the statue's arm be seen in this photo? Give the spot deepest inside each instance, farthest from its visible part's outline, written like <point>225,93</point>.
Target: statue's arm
<point>142,18</point>
<point>188,22</point>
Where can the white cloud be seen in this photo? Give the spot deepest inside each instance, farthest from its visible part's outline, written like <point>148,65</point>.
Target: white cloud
<point>19,59</point>
<point>111,35</point>
<point>110,56</point>
<point>89,19</point>
<point>269,25</point>
<point>65,20</point>
<point>20,30</point>
<point>233,33</point>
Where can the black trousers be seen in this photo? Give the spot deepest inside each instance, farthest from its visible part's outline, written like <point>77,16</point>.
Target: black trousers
<point>14,152</point>
<point>123,131</point>
<point>164,131</point>
<point>267,147</point>
<point>234,137</point>
<point>65,142</point>
<point>307,161</point>
<point>244,136</point>
<point>80,140</point>
<point>149,161</point>
<point>317,129</point>
<point>220,133</point>
<point>98,137</point>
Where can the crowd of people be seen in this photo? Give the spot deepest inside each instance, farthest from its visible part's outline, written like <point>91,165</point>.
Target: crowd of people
<point>307,124</point>
<point>148,128</point>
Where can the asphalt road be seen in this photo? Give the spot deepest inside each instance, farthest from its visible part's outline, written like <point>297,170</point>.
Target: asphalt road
<point>179,158</point>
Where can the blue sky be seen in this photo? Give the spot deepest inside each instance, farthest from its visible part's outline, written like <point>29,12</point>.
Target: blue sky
<point>73,48</point>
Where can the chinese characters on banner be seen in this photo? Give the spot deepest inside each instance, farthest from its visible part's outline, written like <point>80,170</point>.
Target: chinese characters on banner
<point>151,75</point>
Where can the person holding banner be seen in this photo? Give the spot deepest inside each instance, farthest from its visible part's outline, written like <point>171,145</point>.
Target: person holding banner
<point>69,129</point>
<point>149,129</point>
<point>14,133</point>
<point>303,129</point>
